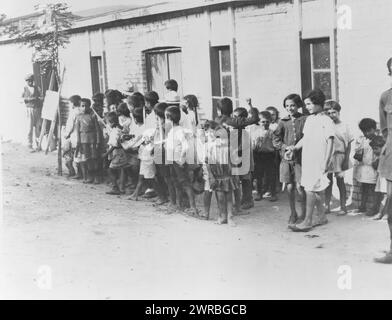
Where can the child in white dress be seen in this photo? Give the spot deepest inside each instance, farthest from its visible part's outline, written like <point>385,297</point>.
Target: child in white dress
<point>317,148</point>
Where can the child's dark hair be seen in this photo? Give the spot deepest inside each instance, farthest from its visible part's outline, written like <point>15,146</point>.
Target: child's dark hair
<point>317,97</point>
<point>225,105</point>
<point>171,84</point>
<point>174,114</point>
<point>152,97</point>
<point>136,99</point>
<point>266,115</point>
<point>367,124</point>
<point>331,104</point>
<point>295,98</point>
<point>160,109</point>
<point>377,141</point>
<point>86,101</point>
<point>272,108</point>
<point>114,96</point>
<point>389,66</point>
<point>113,118</point>
<point>138,115</point>
<point>123,110</point>
<point>75,99</point>
<point>98,97</point>
<point>193,103</point>
<point>241,112</point>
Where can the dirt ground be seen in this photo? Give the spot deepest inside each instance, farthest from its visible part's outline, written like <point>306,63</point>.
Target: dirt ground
<point>62,239</point>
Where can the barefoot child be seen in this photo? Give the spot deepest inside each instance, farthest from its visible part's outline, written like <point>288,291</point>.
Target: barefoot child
<point>117,157</point>
<point>164,178</point>
<point>287,134</point>
<point>317,148</point>
<point>220,175</point>
<point>340,158</point>
<point>71,137</point>
<point>176,147</point>
<point>147,167</point>
<point>88,140</point>
<point>364,172</point>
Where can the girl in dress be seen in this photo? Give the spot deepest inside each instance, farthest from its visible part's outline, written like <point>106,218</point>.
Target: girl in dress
<point>220,175</point>
<point>317,148</point>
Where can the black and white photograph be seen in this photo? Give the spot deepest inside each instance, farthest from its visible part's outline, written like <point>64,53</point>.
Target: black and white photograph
<point>196,150</point>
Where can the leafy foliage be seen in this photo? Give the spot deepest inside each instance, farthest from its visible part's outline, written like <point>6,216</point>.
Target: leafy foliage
<point>45,33</point>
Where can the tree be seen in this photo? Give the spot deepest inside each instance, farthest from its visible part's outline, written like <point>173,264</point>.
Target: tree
<point>46,35</point>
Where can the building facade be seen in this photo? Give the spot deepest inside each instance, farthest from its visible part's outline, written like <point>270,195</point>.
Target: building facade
<point>258,49</point>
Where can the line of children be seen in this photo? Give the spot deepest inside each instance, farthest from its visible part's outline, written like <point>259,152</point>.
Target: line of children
<point>163,145</point>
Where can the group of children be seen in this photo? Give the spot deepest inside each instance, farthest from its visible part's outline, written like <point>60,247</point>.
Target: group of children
<point>243,155</point>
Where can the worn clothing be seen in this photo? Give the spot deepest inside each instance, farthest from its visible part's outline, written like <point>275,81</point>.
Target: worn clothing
<point>363,170</point>
<point>32,97</point>
<point>177,145</point>
<point>34,123</point>
<point>288,133</point>
<point>87,128</point>
<point>125,123</point>
<point>70,126</point>
<point>317,130</point>
<point>261,139</point>
<point>290,172</point>
<point>265,169</point>
<point>385,166</point>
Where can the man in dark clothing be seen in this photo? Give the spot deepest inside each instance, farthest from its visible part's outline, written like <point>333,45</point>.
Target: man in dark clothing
<point>32,97</point>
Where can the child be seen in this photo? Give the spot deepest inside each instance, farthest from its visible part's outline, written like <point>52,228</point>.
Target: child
<point>98,103</point>
<point>124,118</point>
<point>274,117</point>
<point>71,137</point>
<point>88,140</point>
<point>264,156</point>
<point>147,167</point>
<point>189,106</point>
<point>164,178</point>
<point>225,112</point>
<point>286,135</point>
<point>171,96</point>
<point>364,172</point>
<point>377,144</point>
<point>116,154</point>
<point>340,158</point>
<point>220,176</point>
<point>134,101</point>
<point>317,147</point>
<point>151,99</point>
<point>176,147</point>
<point>245,155</point>
<point>113,99</point>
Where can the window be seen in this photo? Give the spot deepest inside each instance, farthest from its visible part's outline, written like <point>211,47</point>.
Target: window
<point>97,75</point>
<point>162,65</point>
<point>221,75</point>
<point>316,66</point>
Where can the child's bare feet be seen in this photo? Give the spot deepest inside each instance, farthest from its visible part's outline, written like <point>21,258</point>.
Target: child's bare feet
<point>134,197</point>
<point>240,212</point>
<point>114,191</point>
<point>378,216</point>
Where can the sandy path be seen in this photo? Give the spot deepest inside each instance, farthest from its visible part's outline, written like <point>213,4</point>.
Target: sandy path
<point>103,247</point>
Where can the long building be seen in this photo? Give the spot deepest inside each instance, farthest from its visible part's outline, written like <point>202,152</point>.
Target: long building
<point>213,48</point>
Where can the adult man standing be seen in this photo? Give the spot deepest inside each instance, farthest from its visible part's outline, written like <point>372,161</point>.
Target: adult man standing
<point>32,97</point>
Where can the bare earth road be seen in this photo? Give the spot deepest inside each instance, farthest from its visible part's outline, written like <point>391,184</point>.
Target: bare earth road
<point>62,239</point>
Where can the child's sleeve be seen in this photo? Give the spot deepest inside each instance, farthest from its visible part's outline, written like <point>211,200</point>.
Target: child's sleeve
<point>277,137</point>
